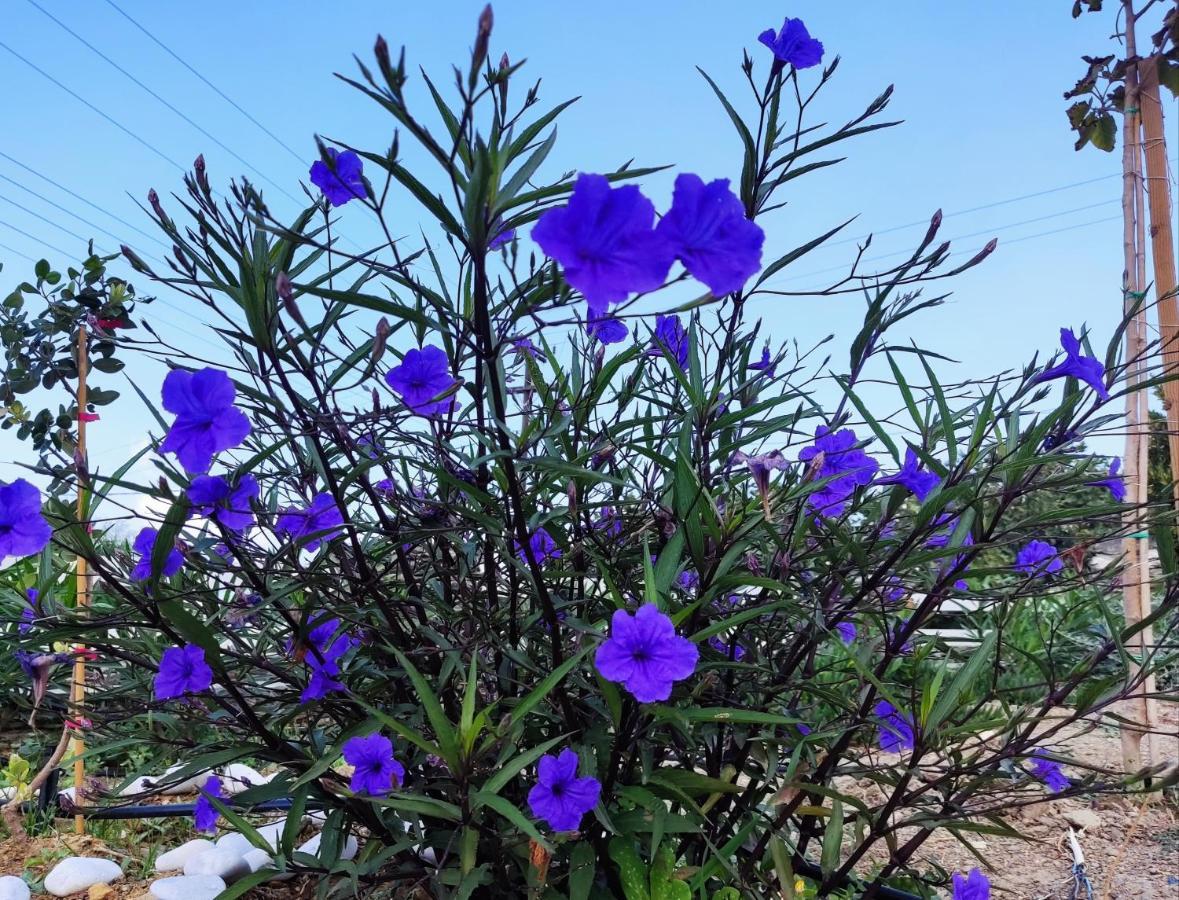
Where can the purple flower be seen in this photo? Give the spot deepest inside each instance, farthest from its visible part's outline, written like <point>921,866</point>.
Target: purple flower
<point>502,236</point>
<point>525,347</point>
<point>607,329</point>
<point>1113,481</point>
<point>374,770</point>
<point>669,339</point>
<point>421,377</point>
<point>707,228</point>
<point>206,422</point>
<point>559,796</point>
<point>645,654</point>
<point>688,580</point>
<point>1048,771</point>
<point>204,813</point>
<point>894,730</point>
<point>145,543</point>
<point>606,241</point>
<point>843,463</point>
<point>974,886</point>
<point>183,670</point>
<point>847,631</point>
<point>23,530</point>
<point>1076,365</point>
<point>211,496</point>
<point>542,545</point>
<point>911,476</point>
<point>609,522</point>
<point>764,365</point>
<point>721,646</point>
<point>761,467</point>
<point>345,183</point>
<point>1038,558</point>
<point>322,519</point>
<point>325,665</point>
<point>28,615</point>
<point>793,44</point>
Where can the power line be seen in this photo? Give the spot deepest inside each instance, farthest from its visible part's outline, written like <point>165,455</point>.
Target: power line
<point>123,128</point>
<point>35,240</point>
<point>37,215</point>
<point>206,81</point>
<point>166,103</point>
<point>76,196</point>
<point>13,250</point>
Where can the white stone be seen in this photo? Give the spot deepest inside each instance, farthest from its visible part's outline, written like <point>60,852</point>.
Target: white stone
<point>69,793</point>
<point>140,785</point>
<point>272,833</point>
<point>187,887</point>
<point>237,777</point>
<point>6,794</point>
<point>223,863</point>
<point>76,873</point>
<point>257,859</point>
<point>311,846</point>
<point>174,860</point>
<point>13,888</point>
<point>234,843</point>
<point>1084,819</point>
<point>188,786</point>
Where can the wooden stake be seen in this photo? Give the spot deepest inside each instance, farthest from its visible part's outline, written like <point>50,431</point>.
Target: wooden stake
<point>1162,244</point>
<point>1136,578</point>
<point>82,594</point>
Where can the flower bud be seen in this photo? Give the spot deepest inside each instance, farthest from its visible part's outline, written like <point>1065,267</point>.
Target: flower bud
<point>154,199</point>
<point>381,337</point>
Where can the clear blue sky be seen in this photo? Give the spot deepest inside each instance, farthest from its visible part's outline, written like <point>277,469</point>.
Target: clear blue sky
<point>978,85</point>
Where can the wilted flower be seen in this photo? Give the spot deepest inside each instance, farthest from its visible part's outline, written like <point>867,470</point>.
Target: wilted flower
<point>688,580</point>
<point>1113,481</point>
<point>183,670</point>
<point>1076,365</point>
<point>846,630</point>
<point>145,543</point>
<point>974,886</point>
<point>206,422</point>
<point>669,339</point>
<point>374,770</point>
<point>606,329</point>
<point>609,522</point>
<point>524,347</point>
<point>894,730</point>
<point>645,654</point>
<point>1038,558</point>
<point>913,477</point>
<point>213,497</point>
<point>764,365</point>
<point>709,233</point>
<point>345,183</point>
<point>542,545</point>
<point>761,467</point>
<point>422,376</point>
<point>23,530</point>
<point>325,662</point>
<point>721,646</point>
<point>204,813</point>
<point>322,519</point>
<point>502,235</point>
<point>606,242</point>
<point>1049,772</point>
<point>793,44</point>
<point>559,796</point>
<point>28,615</point>
<point>841,461</point>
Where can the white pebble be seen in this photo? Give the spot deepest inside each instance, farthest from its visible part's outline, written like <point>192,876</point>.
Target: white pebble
<point>76,873</point>
<point>311,846</point>
<point>257,859</point>
<point>235,843</point>
<point>222,863</point>
<point>187,887</point>
<point>188,786</point>
<point>238,777</point>
<point>174,860</point>
<point>140,785</point>
<point>13,888</point>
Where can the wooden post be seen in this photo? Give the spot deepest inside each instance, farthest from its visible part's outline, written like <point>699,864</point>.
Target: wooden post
<point>82,594</point>
<point>1162,244</point>
<point>1136,578</point>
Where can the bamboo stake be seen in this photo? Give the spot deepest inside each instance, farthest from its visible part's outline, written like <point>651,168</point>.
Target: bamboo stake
<point>82,594</point>
<point>1162,245</point>
<point>1136,579</point>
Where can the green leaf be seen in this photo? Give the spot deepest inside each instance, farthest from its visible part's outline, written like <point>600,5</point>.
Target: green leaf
<point>582,868</point>
<point>692,783</point>
<point>512,813</point>
<point>443,728</point>
<point>832,839</point>
<point>632,871</point>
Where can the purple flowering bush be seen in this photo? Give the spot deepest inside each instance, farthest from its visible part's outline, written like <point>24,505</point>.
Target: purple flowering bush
<point>527,553</point>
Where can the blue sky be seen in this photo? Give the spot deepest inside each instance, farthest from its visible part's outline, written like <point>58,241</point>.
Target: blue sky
<point>978,85</point>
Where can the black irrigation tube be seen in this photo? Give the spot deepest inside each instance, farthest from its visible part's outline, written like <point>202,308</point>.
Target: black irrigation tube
<point>48,798</point>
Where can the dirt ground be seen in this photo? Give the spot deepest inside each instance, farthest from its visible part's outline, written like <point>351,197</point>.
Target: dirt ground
<point>1131,848</point>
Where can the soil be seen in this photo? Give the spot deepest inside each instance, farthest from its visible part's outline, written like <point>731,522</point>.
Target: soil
<point>1131,850</point>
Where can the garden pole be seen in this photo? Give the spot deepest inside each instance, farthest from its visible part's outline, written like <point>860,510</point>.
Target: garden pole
<point>82,593</point>
<point>1136,577</point>
<point>1162,245</point>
